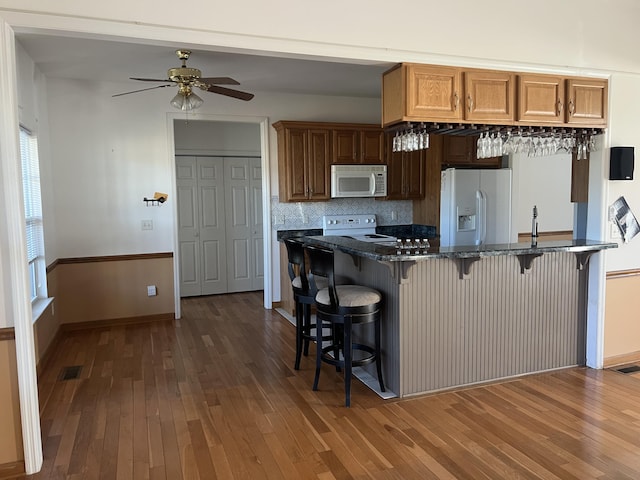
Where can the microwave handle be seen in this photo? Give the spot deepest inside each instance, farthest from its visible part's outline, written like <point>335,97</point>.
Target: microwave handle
<point>373,184</point>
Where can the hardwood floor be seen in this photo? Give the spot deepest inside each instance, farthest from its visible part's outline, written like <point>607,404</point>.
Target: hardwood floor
<point>215,396</point>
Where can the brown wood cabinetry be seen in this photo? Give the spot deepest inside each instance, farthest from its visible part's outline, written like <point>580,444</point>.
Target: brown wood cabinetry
<point>490,96</point>
<point>358,145</point>
<point>415,92</point>
<point>304,155</point>
<point>405,173</point>
<point>306,151</point>
<point>549,99</point>
<point>432,93</point>
<point>587,101</point>
<point>459,151</point>
<point>541,99</point>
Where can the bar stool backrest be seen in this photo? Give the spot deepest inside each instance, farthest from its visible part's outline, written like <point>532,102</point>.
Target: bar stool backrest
<point>295,253</point>
<point>322,264</point>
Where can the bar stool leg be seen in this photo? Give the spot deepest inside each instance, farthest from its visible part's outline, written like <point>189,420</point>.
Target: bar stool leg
<point>307,327</point>
<point>299,330</point>
<point>378,353</point>
<point>347,349</point>
<point>318,352</point>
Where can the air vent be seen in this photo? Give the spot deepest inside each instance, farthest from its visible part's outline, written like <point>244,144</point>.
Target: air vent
<point>629,369</point>
<point>70,373</point>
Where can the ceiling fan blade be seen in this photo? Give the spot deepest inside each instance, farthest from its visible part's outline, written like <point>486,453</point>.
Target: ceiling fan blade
<point>230,93</point>
<point>219,81</point>
<point>142,90</point>
<point>150,79</point>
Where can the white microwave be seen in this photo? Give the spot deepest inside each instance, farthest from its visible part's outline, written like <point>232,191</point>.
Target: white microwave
<point>358,181</point>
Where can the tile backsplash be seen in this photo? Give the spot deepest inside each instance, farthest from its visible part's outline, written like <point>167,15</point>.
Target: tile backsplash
<point>305,215</point>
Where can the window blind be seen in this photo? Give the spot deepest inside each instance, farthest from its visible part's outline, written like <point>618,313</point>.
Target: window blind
<point>32,197</point>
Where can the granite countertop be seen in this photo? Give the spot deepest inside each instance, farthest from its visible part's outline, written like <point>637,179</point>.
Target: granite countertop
<point>390,253</point>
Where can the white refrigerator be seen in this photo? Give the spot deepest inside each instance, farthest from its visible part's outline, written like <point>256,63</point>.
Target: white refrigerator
<point>475,207</point>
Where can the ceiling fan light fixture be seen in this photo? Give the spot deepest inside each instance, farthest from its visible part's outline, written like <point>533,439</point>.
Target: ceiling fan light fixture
<point>186,101</point>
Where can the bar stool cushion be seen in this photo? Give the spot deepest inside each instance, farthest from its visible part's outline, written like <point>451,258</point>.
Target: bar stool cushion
<point>350,296</point>
<point>321,282</point>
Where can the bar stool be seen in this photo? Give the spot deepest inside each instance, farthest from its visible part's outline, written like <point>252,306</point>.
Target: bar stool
<point>304,294</point>
<point>344,307</point>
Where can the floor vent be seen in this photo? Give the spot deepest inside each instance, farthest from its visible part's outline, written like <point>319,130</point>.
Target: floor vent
<point>70,373</point>
<point>630,369</point>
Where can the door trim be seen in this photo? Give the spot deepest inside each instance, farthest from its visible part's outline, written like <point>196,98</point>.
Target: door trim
<point>266,196</point>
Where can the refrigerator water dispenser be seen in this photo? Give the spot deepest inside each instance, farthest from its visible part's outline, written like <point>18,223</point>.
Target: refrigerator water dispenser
<point>466,219</point>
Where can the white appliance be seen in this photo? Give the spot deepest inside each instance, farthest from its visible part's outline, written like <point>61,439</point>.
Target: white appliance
<point>358,181</point>
<point>475,207</point>
<point>358,227</point>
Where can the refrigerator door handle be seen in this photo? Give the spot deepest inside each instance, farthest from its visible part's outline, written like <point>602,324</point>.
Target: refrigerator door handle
<point>481,213</point>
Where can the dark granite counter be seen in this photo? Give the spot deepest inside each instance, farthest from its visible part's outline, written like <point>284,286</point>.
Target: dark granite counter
<point>400,231</point>
<point>392,254</point>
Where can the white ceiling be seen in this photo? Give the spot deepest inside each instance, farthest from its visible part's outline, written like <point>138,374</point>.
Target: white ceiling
<point>93,59</point>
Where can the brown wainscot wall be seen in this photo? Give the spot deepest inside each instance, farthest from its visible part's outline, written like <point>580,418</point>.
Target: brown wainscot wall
<point>622,318</point>
<point>11,453</point>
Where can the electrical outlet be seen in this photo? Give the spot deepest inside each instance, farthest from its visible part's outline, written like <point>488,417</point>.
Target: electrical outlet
<point>278,219</point>
<point>305,218</point>
<point>394,215</point>
<point>151,291</point>
<point>615,232</point>
<point>147,224</point>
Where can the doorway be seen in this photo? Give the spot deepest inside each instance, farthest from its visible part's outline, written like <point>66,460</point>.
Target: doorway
<point>230,139</point>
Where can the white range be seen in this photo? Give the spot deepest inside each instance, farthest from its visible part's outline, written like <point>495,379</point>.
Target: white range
<point>358,227</point>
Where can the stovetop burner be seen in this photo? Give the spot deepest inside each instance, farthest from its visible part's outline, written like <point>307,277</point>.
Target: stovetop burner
<point>358,227</point>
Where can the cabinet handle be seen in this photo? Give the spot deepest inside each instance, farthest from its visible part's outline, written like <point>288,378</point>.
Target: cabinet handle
<point>560,106</point>
<point>470,103</point>
<point>456,101</point>
<point>572,106</point>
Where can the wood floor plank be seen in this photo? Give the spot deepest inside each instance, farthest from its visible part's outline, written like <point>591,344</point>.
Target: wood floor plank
<point>214,396</point>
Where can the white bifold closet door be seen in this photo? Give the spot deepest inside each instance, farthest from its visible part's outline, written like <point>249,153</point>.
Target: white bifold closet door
<point>220,224</point>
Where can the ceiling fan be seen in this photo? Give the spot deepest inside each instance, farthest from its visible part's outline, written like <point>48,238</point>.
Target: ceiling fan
<point>187,79</point>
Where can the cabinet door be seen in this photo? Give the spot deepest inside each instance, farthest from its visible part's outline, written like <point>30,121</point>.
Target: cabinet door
<point>458,150</point>
<point>587,101</point>
<point>296,164</point>
<point>489,96</point>
<point>345,146</point>
<point>541,99</point>
<point>371,146</point>
<point>414,166</point>
<point>433,92</point>
<point>319,164</point>
<point>394,170</point>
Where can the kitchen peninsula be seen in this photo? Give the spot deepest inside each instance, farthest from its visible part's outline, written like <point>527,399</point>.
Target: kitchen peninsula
<point>462,315</point>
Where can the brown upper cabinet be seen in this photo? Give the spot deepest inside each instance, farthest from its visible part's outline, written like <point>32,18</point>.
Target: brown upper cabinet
<point>413,92</point>
<point>405,173</point>
<point>587,101</point>
<point>432,93</point>
<point>357,145</point>
<point>306,151</point>
<point>304,154</point>
<point>541,99</point>
<point>550,99</point>
<point>490,96</point>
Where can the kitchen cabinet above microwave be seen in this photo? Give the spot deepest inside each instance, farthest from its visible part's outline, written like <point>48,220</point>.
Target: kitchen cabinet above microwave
<point>306,151</point>
<point>432,93</point>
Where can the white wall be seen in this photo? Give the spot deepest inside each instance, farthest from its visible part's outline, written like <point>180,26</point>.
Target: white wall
<point>108,153</point>
<point>624,131</point>
<point>546,183</point>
